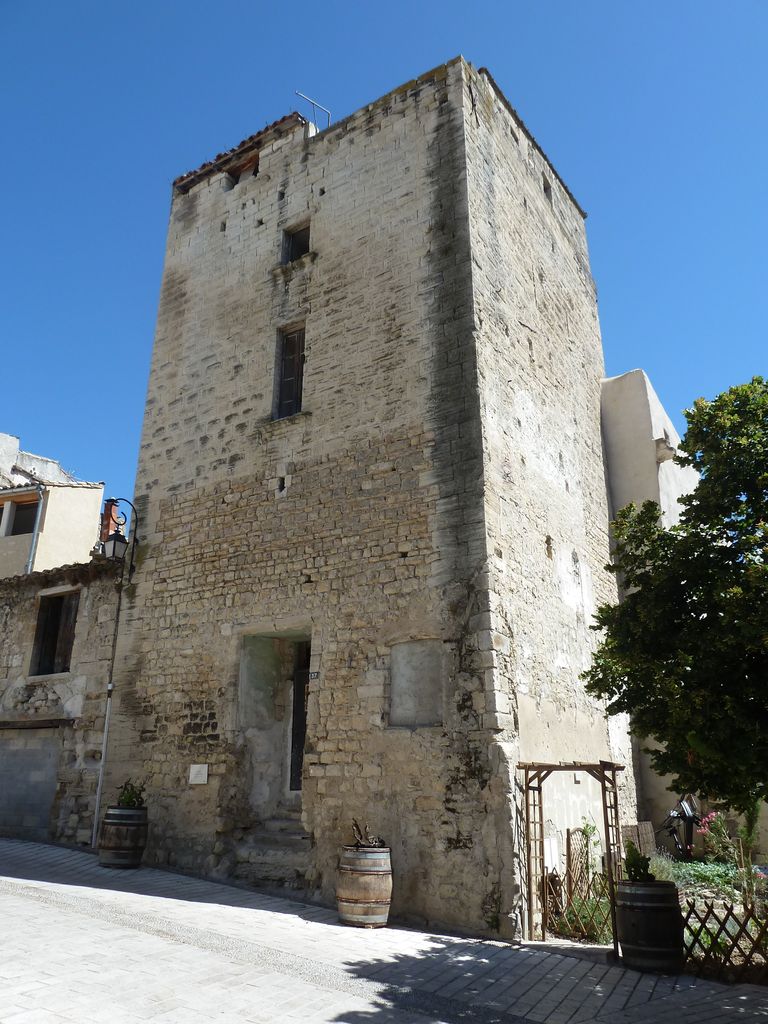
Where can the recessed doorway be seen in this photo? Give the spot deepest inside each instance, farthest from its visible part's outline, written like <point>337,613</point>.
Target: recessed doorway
<point>274,677</point>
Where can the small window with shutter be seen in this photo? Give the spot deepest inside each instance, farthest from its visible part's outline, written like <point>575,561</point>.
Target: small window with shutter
<point>55,633</point>
<point>290,373</point>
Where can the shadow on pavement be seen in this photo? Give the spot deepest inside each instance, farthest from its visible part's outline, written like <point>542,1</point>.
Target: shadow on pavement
<point>428,983</point>
<point>58,865</point>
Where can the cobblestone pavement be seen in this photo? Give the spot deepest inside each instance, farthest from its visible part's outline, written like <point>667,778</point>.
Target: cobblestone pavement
<point>87,944</point>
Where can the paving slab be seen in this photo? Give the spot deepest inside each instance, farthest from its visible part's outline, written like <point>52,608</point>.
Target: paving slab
<point>87,944</point>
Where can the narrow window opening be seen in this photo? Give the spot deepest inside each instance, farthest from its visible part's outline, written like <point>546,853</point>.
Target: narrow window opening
<point>24,518</point>
<point>547,186</point>
<point>223,226</point>
<point>295,244</point>
<point>300,681</point>
<point>549,545</point>
<point>290,373</point>
<point>281,484</point>
<point>322,191</point>
<point>281,195</point>
<point>55,634</point>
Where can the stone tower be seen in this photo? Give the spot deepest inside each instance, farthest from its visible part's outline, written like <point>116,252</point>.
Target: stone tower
<point>373,509</point>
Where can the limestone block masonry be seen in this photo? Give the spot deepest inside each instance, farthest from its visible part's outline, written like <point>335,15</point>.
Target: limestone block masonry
<point>440,491</point>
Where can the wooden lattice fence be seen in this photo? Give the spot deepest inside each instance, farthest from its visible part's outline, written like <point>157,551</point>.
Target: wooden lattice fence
<point>726,942</point>
<point>578,905</point>
<point>721,940</point>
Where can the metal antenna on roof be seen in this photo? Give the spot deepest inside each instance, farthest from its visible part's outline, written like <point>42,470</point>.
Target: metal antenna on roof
<point>315,107</point>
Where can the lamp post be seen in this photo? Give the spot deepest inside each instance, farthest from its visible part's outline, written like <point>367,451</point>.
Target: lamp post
<point>115,547</point>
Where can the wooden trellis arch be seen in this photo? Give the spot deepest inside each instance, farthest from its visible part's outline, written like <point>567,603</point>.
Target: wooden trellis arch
<point>536,774</point>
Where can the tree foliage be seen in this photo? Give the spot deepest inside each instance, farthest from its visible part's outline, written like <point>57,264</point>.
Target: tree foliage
<point>686,652</point>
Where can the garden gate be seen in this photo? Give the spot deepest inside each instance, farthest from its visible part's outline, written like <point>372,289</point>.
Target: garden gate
<point>543,898</point>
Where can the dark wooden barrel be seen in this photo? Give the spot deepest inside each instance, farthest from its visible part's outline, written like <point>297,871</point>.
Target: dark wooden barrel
<point>364,886</point>
<point>123,837</point>
<point>650,926</point>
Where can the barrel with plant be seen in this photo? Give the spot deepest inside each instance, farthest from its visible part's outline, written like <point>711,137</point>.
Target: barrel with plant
<point>123,834</point>
<point>648,918</point>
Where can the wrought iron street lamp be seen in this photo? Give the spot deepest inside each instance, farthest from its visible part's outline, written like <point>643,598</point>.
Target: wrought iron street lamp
<point>115,548</point>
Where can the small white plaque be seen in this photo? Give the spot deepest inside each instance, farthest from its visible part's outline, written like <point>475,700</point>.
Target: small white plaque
<point>198,774</point>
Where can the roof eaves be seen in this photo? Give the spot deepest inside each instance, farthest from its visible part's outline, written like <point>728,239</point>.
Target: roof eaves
<point>35,485</point>
<point>76,572</point>
<point>239,152</point>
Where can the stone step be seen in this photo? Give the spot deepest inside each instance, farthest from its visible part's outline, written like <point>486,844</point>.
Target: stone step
<point>274,859</point>
<point>283,824</point>
<point>261,837</point>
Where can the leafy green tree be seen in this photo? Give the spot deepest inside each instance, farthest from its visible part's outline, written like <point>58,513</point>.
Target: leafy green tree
<point>686,652</point>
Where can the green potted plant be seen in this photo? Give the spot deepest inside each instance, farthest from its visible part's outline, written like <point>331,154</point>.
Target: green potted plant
<point>123,834</point>
<point>648,918</point>
<point>364,885</point>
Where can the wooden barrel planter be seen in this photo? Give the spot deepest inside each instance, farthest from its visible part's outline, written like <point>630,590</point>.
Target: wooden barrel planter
<point>364,886</point>
<point>123,837</point>
<point>650,926</point>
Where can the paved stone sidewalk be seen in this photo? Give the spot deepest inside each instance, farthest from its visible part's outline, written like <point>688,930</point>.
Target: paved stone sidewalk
<point>89,945</point>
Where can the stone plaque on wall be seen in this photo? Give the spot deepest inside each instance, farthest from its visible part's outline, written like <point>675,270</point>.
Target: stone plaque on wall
<point>416,673</point>
<point>198,774</point>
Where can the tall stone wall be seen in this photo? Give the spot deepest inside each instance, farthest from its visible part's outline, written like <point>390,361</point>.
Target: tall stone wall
<point>356,524</point>
<point>433,522</point>
<point>540,364</point>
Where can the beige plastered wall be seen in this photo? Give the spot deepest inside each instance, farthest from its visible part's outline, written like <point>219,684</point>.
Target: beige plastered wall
<point>69,527</point>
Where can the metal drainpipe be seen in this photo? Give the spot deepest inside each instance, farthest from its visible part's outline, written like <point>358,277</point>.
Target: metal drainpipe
<point>95,830</point>
<point>107,712</point>
<point>36,530</point>
<point>110,688</point>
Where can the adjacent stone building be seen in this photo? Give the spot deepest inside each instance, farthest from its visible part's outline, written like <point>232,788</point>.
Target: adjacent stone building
<point>372,505</point>
<point>56,630</point>
<point>57,615</point>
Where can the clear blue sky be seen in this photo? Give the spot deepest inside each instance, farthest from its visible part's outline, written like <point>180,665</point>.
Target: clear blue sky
<point>654,113</point>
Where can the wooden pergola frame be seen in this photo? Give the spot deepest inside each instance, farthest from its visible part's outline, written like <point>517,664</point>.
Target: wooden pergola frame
<point>536,774</point>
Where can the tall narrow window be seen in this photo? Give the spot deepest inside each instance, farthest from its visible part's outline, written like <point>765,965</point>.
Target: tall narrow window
<point>290,373</point>
<point>55,634</point>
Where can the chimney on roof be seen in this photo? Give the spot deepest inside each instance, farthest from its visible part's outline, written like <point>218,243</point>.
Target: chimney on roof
<point>109,519</point>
